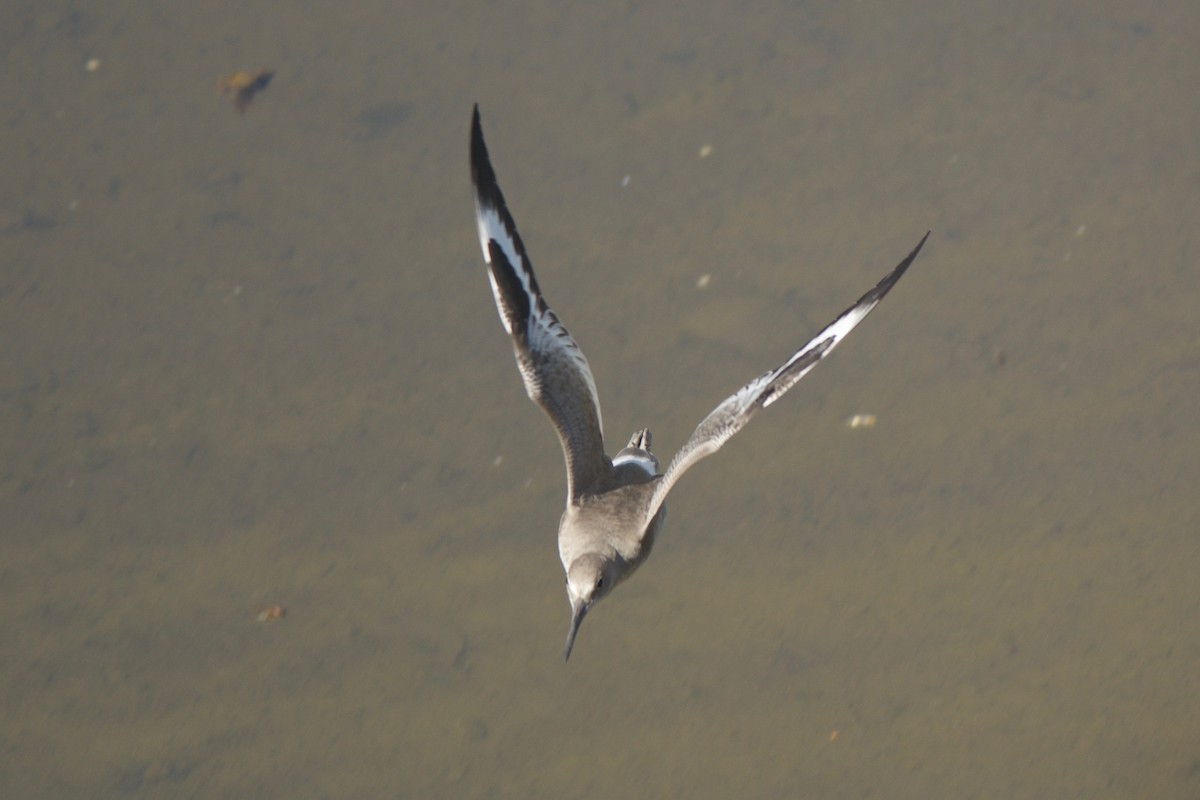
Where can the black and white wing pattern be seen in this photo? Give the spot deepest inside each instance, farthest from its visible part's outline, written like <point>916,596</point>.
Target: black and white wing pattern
<point>732,415</point>
<point>557,375</point>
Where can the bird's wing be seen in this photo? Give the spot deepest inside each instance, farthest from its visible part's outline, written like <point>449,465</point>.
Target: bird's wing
<point>556,373</point>
<point>732,415</point>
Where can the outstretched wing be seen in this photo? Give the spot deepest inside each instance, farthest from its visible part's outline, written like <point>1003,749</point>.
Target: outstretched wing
<point>557,376</point>
<point>732,415</point>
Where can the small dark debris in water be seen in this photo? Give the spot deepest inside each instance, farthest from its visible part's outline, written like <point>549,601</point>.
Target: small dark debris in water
<point>999,358</point>
<point>244,85</point>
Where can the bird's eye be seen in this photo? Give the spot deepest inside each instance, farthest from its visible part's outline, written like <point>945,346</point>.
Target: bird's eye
<point>600,583</point>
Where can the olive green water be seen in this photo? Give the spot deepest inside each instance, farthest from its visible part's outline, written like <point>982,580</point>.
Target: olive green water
<point>253,359</point>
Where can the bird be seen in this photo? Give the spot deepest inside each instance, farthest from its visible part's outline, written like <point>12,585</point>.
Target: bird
<point>615,506</point>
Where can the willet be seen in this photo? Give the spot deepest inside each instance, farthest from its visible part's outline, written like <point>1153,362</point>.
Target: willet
<point>615,507</point>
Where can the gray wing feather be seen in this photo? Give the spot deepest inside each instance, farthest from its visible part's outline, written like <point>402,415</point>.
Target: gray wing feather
<point>556,373</point>
<point>732,415</point>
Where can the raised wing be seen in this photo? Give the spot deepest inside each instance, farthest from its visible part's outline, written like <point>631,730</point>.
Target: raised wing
<point>557,376</point>
<point>732,415</point>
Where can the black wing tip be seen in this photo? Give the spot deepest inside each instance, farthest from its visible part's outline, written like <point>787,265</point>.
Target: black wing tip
<point>903,266</point>
<point>488,196</point>
<point>482,174</point>
<point>884,286</point>
<point>487,186</point>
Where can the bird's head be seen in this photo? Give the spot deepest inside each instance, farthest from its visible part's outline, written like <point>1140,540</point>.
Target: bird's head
<point>589,578</point>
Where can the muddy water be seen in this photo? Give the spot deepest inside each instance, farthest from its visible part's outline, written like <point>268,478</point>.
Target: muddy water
<point>251,359</point>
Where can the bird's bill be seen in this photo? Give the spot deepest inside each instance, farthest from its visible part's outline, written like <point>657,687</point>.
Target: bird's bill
<point>579,609</point>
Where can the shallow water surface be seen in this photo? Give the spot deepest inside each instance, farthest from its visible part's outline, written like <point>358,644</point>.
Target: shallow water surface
<point>252,360</point>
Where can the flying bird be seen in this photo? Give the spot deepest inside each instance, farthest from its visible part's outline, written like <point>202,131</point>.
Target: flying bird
<point>615,507</point>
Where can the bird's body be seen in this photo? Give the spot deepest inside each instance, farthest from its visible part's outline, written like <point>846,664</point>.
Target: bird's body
<point>592,522</point>
<point>615,507</point>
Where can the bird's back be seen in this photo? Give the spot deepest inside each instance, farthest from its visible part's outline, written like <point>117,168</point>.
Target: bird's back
<point>611,523</point>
